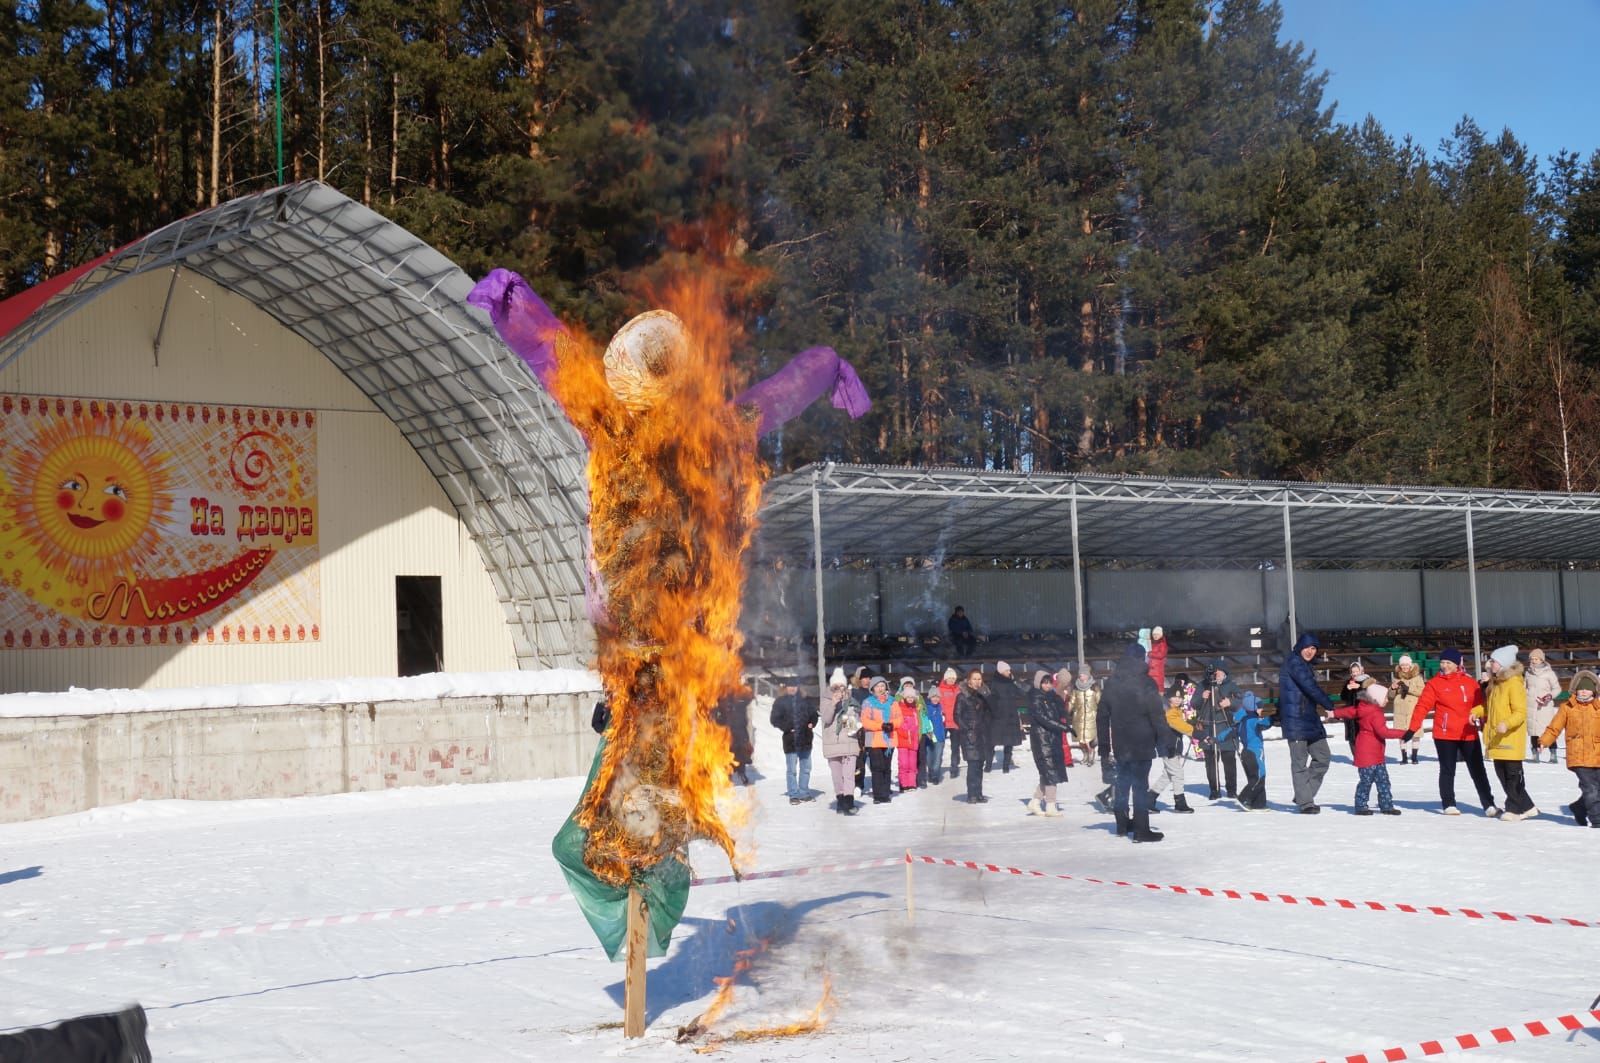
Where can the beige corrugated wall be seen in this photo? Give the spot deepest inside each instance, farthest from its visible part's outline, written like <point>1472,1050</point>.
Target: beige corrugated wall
<point>382,514</point>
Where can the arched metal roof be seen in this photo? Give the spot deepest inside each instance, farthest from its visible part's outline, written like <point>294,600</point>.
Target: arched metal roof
<point>391,313</point>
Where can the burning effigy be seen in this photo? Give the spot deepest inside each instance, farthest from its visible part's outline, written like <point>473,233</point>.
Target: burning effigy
<point>674,483</point>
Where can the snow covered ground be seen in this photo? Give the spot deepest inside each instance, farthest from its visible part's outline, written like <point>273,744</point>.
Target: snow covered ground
<point>996,967</point>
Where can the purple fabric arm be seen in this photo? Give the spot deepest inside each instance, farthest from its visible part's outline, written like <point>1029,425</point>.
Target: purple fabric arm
<point>523,320</point>
<point>808,376</point>
<point>530,329</point>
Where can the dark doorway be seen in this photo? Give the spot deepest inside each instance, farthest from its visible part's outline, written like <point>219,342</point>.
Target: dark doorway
<point>419,624</point>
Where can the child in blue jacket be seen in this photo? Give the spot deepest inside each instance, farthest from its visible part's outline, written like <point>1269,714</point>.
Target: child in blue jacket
<point>929,766</point>
<point>1252,719</point>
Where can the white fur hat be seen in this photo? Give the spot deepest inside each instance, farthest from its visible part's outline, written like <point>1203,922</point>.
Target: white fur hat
<point>1376,693</point>
<point>950,675</point>
<point>1002,667</point>
<point>1157,633</point>
<point>1405,661</point>
<point>1505,656</point>
<point>837,679</point>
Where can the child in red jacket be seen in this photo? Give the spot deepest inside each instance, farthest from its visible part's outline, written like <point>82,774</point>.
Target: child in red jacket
<point>1373,730</point>
<point>907,718</point>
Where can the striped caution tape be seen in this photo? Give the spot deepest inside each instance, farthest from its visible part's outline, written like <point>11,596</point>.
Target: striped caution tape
<point>184,937</point>
<point>256,929</point>
<point>1500,1035</point>
<point>1270,898</point>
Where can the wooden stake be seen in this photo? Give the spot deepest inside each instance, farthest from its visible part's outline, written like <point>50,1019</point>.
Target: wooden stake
<point>911,907</point>
<point>634,980</point>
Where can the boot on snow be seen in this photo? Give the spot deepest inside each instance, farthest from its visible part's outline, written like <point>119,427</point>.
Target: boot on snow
<point>1181,804</point>
<point>1151,802</point>
<point>1141,829</point>
<point>1124,825</point>
<point>1102,800</point>
<point>1578,812</point>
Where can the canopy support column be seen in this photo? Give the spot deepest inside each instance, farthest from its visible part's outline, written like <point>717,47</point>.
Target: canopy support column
<point>1288,570</point>
<point>1472,596</point>
<point>1077,577</point>
<point>816,547</point>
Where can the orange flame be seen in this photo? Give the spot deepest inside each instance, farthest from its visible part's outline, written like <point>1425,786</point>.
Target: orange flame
<point>743,961</point>
<point>673,494</point>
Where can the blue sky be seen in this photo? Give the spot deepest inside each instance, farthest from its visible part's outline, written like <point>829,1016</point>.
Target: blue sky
<point>1419,65</point>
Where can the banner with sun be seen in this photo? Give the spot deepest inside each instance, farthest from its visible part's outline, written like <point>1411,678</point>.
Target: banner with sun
<point>128,523</point>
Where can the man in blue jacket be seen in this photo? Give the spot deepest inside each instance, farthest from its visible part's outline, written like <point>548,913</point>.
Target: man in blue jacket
<point>1301,705</point>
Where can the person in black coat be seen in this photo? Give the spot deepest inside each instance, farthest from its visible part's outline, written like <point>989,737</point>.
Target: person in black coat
<point>961,637</point>
<point>1139,731</point>
<point>1007,698</point>
<point>1214,729</point>
<point>974,717</point>
<point>1049,721</point>
<point>796,717</point>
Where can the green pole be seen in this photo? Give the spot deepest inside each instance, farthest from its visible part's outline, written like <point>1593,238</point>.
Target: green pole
<point>277,84</point>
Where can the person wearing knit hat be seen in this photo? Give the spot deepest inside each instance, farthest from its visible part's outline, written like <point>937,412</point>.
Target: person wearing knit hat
<point>1579,719</point>
<point>1008,701</point>
<point>1455,701</point>
<point>949,691</point>
<point>1505,731</point>
<point>840,724</point>
<point>1156,658</point>
<point>1372,730</point>
<point>1544,687</point>
<point>930,753</point>
<point>1405,687</point>
<point>907,738</point>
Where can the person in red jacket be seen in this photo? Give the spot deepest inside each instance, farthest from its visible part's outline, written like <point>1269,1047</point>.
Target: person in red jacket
<point>949,689</point>
<point>1372,730</point>
<point>1156,659</point>
<point>1456,702</point>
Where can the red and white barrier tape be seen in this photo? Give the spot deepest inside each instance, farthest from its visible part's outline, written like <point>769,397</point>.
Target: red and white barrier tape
<point>245,930</point>
<point>1500,1035</point>
<point>1271,898</point>
<point>391,914</point>
<point>795,872</point>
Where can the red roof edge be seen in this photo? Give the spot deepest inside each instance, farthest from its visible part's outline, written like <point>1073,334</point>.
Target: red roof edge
<point>17,309</point>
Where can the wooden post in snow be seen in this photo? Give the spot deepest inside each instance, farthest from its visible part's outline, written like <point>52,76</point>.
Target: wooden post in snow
<point>634,980</point>
<point>911,907</point>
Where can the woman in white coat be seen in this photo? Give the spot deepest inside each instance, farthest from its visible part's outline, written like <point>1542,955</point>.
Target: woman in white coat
<point>1543,687</point>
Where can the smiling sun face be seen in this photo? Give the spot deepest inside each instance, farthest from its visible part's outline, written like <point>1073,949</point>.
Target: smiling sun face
<point>92,494</point>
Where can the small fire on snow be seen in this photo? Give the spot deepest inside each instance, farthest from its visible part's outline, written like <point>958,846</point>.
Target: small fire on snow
<point>816,1020</point>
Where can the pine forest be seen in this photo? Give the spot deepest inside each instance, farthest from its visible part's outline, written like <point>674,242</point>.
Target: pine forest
<point>1122,235</point>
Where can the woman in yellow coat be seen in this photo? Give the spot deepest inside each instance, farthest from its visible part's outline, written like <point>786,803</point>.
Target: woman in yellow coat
<point>1505,731</point>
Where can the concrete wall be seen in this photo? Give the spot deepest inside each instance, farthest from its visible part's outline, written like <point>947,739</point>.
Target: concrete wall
<point>53,765</point>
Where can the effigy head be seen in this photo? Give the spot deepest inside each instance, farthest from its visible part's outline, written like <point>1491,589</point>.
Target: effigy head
<point>643,355</point>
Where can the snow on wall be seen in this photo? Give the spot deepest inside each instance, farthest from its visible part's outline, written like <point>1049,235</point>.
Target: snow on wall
<point>79,702</point>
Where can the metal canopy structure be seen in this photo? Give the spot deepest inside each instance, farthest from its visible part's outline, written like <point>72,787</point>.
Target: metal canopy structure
<point>880,513</point>
<point>390,312</point>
